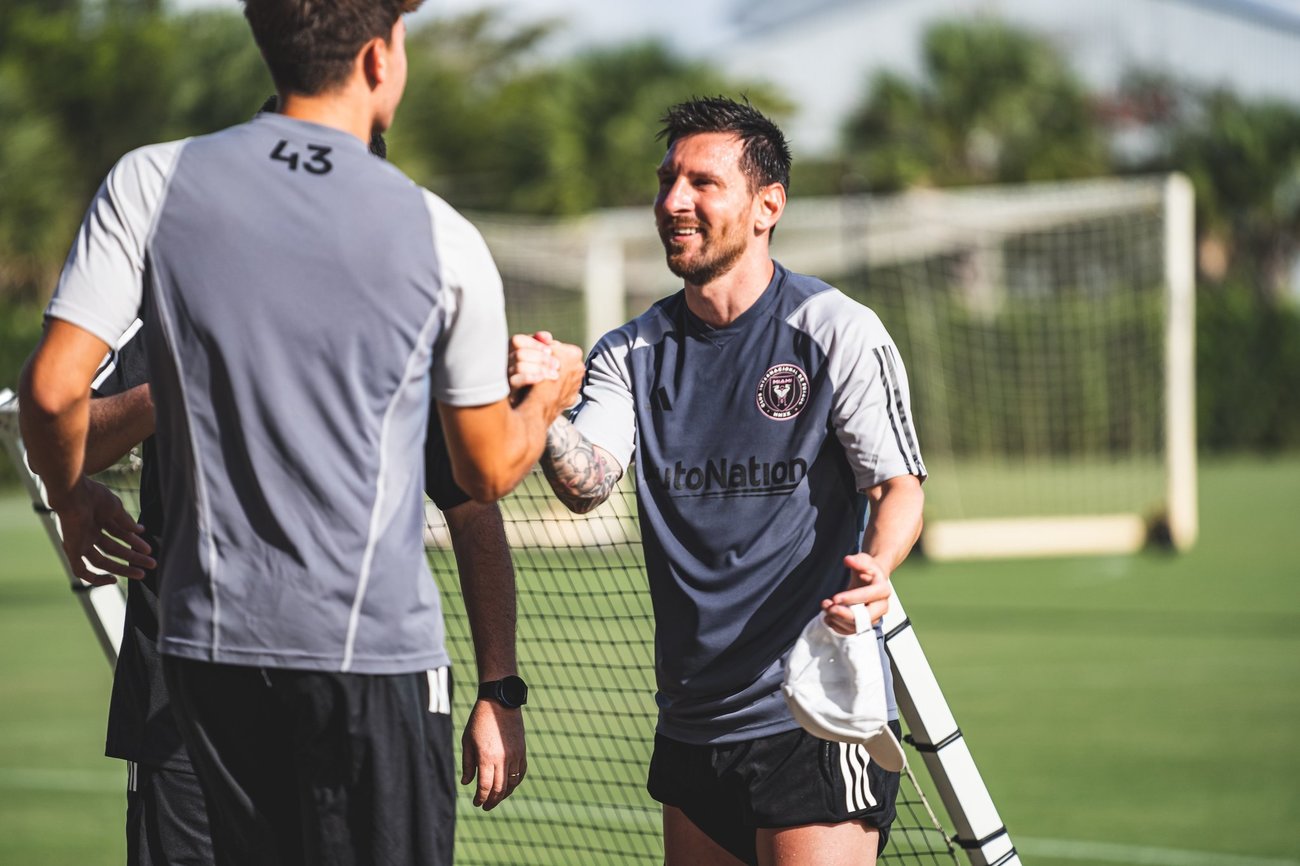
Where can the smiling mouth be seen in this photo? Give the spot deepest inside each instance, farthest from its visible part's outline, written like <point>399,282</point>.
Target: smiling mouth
<point>680,233</point>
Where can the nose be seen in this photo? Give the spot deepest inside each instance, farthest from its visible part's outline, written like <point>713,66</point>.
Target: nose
<point>675,198</point>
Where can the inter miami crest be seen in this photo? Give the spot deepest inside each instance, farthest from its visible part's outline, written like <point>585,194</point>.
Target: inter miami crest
<point>782,392</point>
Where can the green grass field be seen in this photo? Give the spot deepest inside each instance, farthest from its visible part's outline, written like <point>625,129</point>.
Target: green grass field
<point>1137,710</point>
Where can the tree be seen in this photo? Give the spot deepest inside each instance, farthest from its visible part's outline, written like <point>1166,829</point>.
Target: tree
<point>491,125</point>
<point>996,105</point>
<point>1244,160</point>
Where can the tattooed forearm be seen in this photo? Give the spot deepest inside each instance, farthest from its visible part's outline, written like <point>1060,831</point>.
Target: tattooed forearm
<point>581,474</point>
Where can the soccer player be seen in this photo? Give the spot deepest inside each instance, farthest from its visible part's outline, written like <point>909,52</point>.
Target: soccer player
<point>777,474</point>
<point>302,303</point>
<point>166,821</point>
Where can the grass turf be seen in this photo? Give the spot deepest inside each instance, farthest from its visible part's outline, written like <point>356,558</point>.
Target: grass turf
<point>1117,707</point>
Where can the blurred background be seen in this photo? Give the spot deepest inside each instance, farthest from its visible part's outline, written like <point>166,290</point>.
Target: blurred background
<point>1124,709</point>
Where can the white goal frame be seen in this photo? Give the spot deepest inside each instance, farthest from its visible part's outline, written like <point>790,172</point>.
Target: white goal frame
<point>105,606</point>
<point>614,259</point>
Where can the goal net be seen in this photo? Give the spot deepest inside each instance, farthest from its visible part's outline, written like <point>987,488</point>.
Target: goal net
<point>1047,330</point>
<point>586,646</point>
<point>585,642</point>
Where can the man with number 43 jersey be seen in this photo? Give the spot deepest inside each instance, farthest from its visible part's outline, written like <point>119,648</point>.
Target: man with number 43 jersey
<point>303,304</point>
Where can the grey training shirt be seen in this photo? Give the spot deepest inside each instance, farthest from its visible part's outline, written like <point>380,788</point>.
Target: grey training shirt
<point>303,301</point>
<point>752,443</point>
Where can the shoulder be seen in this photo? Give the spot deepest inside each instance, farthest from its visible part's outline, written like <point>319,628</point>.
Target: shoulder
<point>132,194</point>
<point>647,329</point>
<point>825,313</point>
<point>142,174</point>
<point>445,217</point>
<point>453,233</point>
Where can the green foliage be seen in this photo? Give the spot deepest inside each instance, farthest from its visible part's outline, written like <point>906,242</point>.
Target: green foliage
<point>490,127</point>
<point>39,210</point>
<point>997,105</point>
<point>82,84</point>
<point>1244,160</point>
<point>220,79</point>
<point>20,327</point>
<point>1248,371</point>
<point>492,122</point>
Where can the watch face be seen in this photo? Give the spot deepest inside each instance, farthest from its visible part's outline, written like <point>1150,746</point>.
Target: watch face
<point>514,692</point>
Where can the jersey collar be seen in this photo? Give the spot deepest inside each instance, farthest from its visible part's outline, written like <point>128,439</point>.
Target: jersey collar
<point>694,326</point>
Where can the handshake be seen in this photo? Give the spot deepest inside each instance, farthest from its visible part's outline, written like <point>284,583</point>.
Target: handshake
<point>538,358</point>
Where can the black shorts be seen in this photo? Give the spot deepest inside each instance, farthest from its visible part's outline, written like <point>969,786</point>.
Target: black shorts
<point>786,780</point>
<point>166,820</point>
<point>306,768</point>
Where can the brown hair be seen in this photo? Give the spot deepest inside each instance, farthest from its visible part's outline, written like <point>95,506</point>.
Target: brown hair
<point>765,155</point>
<point>309,45</point>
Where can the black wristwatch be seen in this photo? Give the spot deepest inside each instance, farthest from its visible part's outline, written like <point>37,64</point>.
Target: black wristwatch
<point>511,692</point>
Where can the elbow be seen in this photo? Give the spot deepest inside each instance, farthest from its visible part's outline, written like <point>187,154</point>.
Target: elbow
<point>485,487</point>
<point>43,397</point>
<point>581,504</point>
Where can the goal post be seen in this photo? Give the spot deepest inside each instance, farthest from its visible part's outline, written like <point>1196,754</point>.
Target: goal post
<point>1048,330</point>
<point>104,606</point>
<point>1182,517</point>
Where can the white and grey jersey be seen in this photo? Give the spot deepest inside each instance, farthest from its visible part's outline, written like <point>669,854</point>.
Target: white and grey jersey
<point>303,302</point>
<point>752,445</point>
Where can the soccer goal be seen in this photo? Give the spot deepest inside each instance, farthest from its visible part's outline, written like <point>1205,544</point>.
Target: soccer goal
<point>1047,329</point>
<point>105,606</point>
<point>586,646</point>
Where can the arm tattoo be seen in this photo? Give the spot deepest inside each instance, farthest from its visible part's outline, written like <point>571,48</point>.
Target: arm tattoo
<point>581,474</point>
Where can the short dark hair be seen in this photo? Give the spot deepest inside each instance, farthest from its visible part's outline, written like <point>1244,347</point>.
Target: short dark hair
<point>309,45</point>
<point>765,157</point>
<point>378,146</point>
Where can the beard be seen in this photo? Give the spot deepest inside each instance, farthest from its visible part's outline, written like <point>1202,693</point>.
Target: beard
<point>717,255</point>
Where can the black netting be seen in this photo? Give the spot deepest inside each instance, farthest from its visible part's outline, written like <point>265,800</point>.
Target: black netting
<point>585,646</point>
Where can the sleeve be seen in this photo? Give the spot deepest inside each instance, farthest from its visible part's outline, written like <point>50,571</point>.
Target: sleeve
<point>124,367</point>
<point>101,285</point>
<point>606,414</point>
<point>439,484</point>
<point>469,364</point>
<point>872,413</point>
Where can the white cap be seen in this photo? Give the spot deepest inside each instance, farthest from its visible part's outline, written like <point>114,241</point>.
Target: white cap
<point>835,686</point>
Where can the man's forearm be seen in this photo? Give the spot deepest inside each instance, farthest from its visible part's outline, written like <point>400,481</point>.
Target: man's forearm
<point>581,474</point>
<point>895,522</point>
<point>54,431</point>
<point>487,580</point>
<point>53,404</point>
<point>493,447</point>
<point>117,424</point>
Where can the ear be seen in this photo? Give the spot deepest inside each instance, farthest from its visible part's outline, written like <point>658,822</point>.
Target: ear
<point>374,62</point>
<point>769,204</point>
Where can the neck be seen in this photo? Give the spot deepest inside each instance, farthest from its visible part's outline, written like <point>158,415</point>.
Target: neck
<point>340,109</point>
<point>724,299</point>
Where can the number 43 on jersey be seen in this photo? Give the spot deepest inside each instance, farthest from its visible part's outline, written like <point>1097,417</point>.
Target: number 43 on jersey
<point>317,163</point>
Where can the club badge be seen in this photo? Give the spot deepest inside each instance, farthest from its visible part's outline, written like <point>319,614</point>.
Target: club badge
<point>782,392</point>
